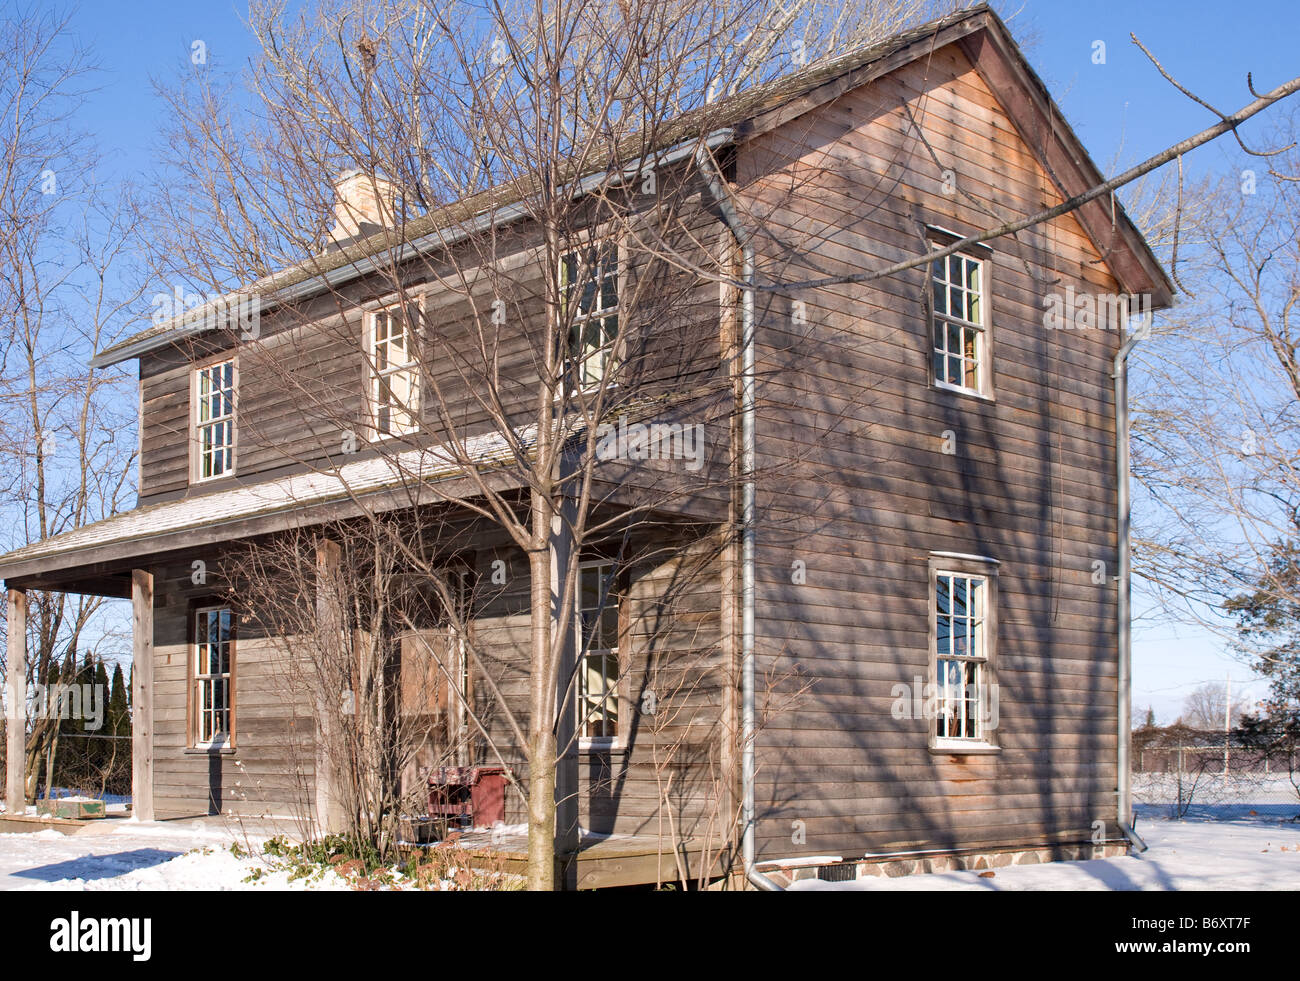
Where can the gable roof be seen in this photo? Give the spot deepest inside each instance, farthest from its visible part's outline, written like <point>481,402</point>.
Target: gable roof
<point>980,33</point>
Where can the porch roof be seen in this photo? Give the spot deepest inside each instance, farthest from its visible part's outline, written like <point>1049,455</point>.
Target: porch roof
<point>389,481</point>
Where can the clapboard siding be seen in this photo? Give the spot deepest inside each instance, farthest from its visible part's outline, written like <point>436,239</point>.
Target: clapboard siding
<point>673,631</point>
<point>271,769</point>
<point>855,482</point>
<point>302,381</point>
<point>673,648</point>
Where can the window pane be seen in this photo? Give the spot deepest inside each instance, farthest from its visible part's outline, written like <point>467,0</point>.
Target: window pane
<point>959,640</point>
<point>609,293</point>
<point>591,278</point>
<point>609,624</point>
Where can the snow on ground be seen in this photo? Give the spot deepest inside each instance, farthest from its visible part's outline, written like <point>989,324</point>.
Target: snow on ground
<point>124,854</point>
<point>1256,853</point>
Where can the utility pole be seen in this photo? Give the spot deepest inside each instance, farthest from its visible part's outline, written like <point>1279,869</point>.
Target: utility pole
<point>1227,719</point>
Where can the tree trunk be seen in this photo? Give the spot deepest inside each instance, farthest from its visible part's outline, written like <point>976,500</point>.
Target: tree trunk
<point>541,762</point>
<point>49,764</point>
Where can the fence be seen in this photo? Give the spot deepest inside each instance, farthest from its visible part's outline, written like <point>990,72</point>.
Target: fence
<point>1220,782</point>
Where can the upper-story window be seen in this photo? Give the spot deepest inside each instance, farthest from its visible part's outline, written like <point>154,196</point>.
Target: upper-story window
<point>589,294</point>
<point>214,420</point>
<point>394,372</point>
<point>959,314</point>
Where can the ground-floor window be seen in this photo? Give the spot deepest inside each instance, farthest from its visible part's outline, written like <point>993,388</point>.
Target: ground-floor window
<point>214,649</point>
<point>597,625</point>
<point>962,611</point>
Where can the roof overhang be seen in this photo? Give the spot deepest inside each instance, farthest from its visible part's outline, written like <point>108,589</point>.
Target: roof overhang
<point>412,478</point>
<point>987,43</point>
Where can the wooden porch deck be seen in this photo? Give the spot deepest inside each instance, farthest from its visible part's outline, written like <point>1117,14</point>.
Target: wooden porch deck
<point>601,861</point>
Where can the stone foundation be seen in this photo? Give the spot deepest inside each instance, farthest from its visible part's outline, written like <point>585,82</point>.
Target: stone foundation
<point>973,860</point>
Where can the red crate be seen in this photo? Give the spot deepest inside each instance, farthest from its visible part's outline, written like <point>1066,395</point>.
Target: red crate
<point>477,792</point>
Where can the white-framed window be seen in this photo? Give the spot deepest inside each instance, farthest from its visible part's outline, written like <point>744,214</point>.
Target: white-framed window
<point>589,286</point>
<point>394,371</point>
<point>213,697</point>
<point>961,635</point>
<point>454,622</point>
<point>214,420</point>
<point>959,357</point>
<point>596,609</point>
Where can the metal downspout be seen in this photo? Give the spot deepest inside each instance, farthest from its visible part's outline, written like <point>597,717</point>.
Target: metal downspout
<point>717,188</point>
<point>1124,808</point>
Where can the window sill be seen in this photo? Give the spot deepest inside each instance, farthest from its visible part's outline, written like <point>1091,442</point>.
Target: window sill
<point>974,747</point>
<point>969,393</point>
<point>374,438</point>
<point>601,747</point>
<point>222,750</point>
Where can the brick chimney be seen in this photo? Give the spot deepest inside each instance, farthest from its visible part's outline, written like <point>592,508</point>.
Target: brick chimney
<point>362,205</point>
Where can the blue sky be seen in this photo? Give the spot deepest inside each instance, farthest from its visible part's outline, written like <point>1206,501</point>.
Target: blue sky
<point>1122,109</point>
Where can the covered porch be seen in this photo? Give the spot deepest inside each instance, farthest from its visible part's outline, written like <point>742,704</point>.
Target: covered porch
<point>121,556</point>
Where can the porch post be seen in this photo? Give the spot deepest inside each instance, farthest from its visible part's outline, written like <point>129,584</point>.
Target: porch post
<point>329,804</point>
<point>16,723</point>
<point>142,695</point>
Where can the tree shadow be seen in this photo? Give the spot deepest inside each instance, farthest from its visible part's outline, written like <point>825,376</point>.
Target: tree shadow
<point>91,867</point>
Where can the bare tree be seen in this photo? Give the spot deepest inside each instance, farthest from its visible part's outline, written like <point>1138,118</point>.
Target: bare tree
<point>505,119</point>
<point>64,453</point>
<point>1216,434</point>
<point>1204,708</point>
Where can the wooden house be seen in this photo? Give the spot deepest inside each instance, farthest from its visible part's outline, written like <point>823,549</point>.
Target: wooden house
<point>919,626</point>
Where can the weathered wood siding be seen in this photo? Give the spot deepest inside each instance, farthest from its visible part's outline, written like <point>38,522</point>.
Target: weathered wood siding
<point>858,488</point>
<point>270,770</point>
<point>664,778</point>
<point>301,381</point>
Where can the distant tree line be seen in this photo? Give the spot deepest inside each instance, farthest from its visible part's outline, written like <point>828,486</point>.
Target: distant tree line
<point>89,751</point>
